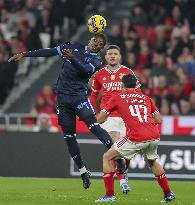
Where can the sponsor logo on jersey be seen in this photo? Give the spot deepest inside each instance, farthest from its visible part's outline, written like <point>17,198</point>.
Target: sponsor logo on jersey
<point>112,86</point>
<point>112,77</point>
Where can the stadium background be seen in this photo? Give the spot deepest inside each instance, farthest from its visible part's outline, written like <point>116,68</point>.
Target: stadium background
<point>157,40</point>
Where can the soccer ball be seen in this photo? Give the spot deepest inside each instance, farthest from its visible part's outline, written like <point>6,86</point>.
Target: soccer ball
<point>96,24</point>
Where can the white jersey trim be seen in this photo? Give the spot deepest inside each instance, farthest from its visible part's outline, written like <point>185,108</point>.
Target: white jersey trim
<point>157,111</point>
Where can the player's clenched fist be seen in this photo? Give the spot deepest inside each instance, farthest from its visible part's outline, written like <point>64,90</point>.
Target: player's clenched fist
<point>16,57</point>
<point>67,53</point>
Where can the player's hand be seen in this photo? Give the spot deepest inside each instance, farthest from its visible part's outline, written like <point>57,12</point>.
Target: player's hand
<point>101,117</point>
<point>67,53</point>
<point>16,57</point>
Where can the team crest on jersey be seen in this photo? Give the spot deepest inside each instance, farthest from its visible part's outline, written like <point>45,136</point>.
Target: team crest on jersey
<point>121,75</point>
<point>112,77</point>
<point>104,78</point>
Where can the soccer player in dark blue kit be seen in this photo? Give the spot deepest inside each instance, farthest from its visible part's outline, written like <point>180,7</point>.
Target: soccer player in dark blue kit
<point>80,63</point>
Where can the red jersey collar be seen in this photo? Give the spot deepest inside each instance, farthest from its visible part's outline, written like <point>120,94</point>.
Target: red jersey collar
<point>113,71</point>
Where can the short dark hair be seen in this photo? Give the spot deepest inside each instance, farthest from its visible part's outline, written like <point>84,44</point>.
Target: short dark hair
<point>102,36</point>
<point>113,47</point>
<point>129,81</point>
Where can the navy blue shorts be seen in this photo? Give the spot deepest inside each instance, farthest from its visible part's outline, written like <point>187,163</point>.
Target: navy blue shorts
<point>68,107</point>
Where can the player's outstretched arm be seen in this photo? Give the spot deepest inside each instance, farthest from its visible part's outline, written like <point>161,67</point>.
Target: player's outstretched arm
<point>157,118</point>
<point>155,113</point>
<point>36,53</point>
<point>111,106</point>
<point>95,97</point>
<point>83,67</point>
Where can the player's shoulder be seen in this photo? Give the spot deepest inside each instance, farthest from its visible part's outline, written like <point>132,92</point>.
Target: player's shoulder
<point>101,71</point>
<point>94,57</point>
<point>148,99</point>
<point>97,56</point>
<point>72,45</point>
<point>125,68</point>
<point>77,45</point>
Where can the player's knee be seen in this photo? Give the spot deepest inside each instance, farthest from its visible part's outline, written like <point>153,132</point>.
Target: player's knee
<point>70,140</point>
<point>150,162</point>
<point>105,156</point>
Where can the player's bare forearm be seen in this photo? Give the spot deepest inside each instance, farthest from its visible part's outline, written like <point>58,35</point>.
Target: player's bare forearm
<point>157,118</point>
<point>101,117</point>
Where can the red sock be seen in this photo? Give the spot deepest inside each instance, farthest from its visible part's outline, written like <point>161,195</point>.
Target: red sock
<point>163,182</point>
<point>109,183</point>
<point>119,176</point>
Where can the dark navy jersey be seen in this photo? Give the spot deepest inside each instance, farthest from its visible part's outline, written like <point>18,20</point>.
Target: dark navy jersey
<point>75,73</point>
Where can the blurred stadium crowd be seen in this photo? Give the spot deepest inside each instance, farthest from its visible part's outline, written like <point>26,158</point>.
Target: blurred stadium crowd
<point>157,41</point>
<point>29,25</point>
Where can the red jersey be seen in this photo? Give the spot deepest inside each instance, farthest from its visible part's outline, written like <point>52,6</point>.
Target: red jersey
<point>136,111</point>
<point>109,82</point>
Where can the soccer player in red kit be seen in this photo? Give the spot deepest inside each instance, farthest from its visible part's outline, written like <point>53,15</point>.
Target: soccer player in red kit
<point>108,81</point>
<point>140,116</point>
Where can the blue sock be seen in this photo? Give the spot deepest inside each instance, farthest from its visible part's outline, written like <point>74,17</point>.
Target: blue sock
<point>74,150</point>
<point>101,134</point>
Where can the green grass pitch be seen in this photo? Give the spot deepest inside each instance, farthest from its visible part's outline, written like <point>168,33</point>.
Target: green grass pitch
<point>40,191</point>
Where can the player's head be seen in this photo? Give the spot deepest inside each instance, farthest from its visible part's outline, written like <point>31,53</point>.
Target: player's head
<point>97,43</point>
<point>129,81</point>
<point>113,55</point>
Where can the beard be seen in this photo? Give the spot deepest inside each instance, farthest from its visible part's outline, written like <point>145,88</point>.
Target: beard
<point>113,64</point>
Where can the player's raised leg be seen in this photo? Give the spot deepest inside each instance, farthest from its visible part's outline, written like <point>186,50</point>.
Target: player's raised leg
<point>67,121</point>
<point>86,113</point>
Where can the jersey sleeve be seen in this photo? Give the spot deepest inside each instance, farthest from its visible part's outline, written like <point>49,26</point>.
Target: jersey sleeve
<point>111,106</point>
<point>154,109</point>
<point>47,52</point>
<point>87,67</point>
<point>96,87</point>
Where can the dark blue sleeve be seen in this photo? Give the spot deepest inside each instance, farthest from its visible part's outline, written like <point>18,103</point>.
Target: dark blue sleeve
<point>47,52</point>
<point>91,67</point>
<point>41,53</point>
